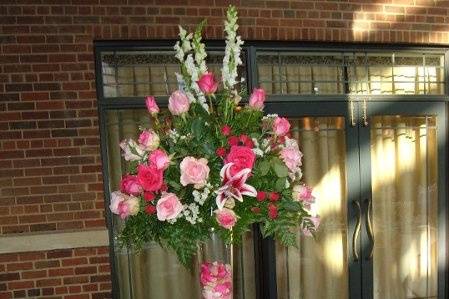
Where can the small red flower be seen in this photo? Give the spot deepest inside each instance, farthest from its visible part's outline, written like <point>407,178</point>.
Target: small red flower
<point>272,211</point>
<point>246,141</point>
<point>274,196</point>
<point>150,209</point>
<point>261,195</point>
<point>255,210</point>
<point>233,140</point>
<point>226,130</point>
<point>149,196</point>
<point>221,152</point>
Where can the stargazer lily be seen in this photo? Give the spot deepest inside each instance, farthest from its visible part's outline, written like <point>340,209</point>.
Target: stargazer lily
<point>234,186</point>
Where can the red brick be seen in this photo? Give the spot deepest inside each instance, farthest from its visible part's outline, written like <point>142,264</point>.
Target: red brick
<point>19,266</point>
<point>9,276</point>
<point>14,285</point>
<point>46,264</point>
<point>74,261</point>
<point>60,272</point>
<point>34,274</point>
<point>59,253</point>
<point>49,282</point>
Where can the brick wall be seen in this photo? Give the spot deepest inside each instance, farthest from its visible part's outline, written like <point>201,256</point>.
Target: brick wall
<point>49,145</point>
<point>69,273</point>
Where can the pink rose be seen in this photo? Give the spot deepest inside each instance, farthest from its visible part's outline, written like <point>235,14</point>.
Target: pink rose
<point>130,185</point>
<point>291,156</point>
<point>281,126</point>
<point>224,289</point>
<point>226,218</point>
<point>159,159</point>
<point>178,103</point>
<point>123,205</point>
<point>206,276</point>
<point>150,178</point>
<point>242,157</point>
<point>257,99</point>
<point>194,171</point>
<point>207,83</point>
<point>303,193</point>
<point>149,140</point>
<point>168,206</point>
<point>151,105</point>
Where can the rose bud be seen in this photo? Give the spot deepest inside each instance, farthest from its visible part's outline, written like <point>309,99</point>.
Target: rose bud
<point>207,83</point>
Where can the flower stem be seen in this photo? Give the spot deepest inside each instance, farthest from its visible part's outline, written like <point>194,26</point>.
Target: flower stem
<point>210,103</point>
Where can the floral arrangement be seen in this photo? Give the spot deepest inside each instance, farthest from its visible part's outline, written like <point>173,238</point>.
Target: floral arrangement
<point>211,161</point>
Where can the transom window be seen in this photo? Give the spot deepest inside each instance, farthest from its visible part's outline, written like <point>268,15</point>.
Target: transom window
<point>351,73</point>
<point>139,73</point>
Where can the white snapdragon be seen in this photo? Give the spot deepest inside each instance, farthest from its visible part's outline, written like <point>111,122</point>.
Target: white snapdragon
<point>232,58</point>
<point>194,63</point>
<point>179,52</point>
<point>195,73</point>
<point>191,68</point>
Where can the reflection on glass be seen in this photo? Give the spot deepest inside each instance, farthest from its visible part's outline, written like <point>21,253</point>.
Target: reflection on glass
<point>404,188</point>
<point>318,268</point>
<point>155,272</point>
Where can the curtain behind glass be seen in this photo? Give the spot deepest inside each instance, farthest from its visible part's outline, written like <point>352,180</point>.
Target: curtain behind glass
<point>318,268</point>
<point>309,74</point>
<point>155,272</point>
<point>404,188</point>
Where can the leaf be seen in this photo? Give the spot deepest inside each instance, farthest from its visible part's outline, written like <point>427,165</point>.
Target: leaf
<point>174,184</point>
<point>292,206</point>
<point>208,148</point>
<point>264,167</point>
<point>197,128</point>
<point>280,169</point>
<point>280,184</point>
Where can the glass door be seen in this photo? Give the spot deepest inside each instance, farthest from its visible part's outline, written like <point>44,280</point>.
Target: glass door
<point>402,163</point>
<point>379,172</point>
<point>326,267</point>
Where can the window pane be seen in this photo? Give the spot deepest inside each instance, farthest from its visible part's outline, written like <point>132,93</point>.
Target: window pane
<point>404,206</point>
<point>318,268</point>
<point>300,73</point>
<point>354,73</point>
<point>142,73</point>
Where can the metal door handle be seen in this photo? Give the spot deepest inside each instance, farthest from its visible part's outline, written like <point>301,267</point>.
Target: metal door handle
<point>355,253</point>
<point>351,110</point>
<point>369,225</point>
<point>365,117</point>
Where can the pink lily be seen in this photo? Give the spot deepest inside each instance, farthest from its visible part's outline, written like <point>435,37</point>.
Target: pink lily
<point>234,186</point>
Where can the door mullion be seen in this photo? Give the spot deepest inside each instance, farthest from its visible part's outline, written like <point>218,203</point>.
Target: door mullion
<point>365,198</point>
<point>353,201</point>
